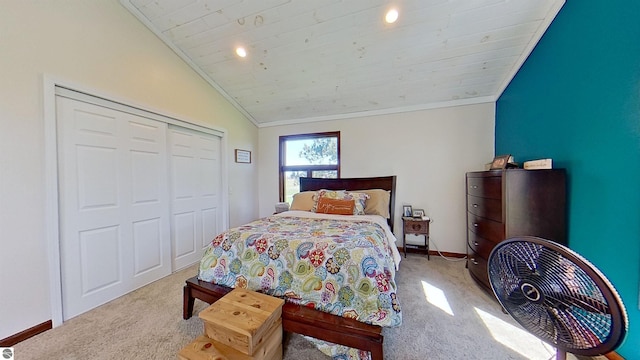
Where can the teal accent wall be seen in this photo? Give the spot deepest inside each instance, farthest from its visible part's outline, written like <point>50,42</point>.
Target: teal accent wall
<point>577,100</point>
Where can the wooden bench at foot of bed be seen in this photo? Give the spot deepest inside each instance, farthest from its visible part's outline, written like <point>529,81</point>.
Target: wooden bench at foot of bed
<point>299,319</point>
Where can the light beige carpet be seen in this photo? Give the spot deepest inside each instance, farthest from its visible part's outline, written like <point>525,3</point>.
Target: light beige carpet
<point>445,316</point>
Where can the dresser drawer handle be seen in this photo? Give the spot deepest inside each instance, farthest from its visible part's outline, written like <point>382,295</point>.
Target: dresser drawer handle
<point>475,224</point>
<point>475,243</point>
<point>474,186</point>
<point>475,205</point>
<point>473,260</point>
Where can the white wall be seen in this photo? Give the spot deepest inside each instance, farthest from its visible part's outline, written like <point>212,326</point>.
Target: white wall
<point>429,151</point>
<point>99,45</point>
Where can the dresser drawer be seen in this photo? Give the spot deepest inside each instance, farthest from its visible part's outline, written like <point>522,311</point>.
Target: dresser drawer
<point>488,186</point>
<point>485,207</point>
<point>479,244</point>
<point>485,228</point>
<point>416,227</point>
<point>478,267</point>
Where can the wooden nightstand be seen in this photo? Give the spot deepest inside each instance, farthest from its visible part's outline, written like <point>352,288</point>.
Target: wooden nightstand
<point>416,226</point>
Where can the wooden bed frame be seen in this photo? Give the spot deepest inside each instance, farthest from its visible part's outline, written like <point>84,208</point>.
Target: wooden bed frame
<point>301,319</point>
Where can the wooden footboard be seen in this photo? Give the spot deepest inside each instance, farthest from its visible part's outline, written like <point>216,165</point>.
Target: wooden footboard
<point>299,319</point>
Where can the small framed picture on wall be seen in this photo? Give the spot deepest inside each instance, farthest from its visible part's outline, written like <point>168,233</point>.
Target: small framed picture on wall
<point>243,156</point>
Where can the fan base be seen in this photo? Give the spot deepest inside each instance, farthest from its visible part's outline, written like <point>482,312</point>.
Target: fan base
<point>561,354</point>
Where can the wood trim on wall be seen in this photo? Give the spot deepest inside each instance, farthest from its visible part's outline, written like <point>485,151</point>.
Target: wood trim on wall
<point>24,335</point>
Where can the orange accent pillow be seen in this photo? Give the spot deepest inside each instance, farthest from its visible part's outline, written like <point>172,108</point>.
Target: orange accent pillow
<point>335,206</point>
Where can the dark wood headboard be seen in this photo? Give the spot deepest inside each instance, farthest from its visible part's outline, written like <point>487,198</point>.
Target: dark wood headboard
<point>383,182</point>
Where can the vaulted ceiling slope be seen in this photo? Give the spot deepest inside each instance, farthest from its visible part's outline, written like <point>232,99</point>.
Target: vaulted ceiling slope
<point>311,60</point>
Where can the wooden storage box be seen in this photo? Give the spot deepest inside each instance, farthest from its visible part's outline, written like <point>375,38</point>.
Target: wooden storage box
<point>242,319</point>
<point>204,348</point>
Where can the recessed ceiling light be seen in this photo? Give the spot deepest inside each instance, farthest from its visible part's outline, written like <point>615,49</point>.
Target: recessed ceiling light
<point>240,51</point>
<point>391,16</point>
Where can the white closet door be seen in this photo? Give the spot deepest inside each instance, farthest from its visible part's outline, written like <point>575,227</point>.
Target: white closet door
<point>149,200</point>
<point>196,216</point>
<point>114,225</point>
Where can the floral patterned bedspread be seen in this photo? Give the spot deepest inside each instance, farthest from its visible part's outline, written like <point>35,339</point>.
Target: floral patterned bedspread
<point>343,267</point>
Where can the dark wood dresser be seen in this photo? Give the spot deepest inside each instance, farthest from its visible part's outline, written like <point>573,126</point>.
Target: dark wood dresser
<point>502,204</point>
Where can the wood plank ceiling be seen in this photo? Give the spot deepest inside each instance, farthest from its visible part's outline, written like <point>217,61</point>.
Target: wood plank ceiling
<point>311,60</point>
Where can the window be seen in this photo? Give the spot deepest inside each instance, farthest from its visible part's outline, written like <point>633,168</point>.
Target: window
<point>307,155</point>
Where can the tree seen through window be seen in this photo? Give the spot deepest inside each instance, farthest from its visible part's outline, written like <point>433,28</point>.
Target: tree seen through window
<point>307,155</point>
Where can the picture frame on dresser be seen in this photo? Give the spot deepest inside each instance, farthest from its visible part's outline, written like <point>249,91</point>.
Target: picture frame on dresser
<point>417,213</point>
<point>500,162</point>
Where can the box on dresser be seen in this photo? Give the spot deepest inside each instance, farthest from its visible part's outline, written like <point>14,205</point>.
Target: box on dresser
<point>502,204</point>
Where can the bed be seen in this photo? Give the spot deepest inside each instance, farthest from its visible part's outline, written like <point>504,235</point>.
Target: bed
<point>317,305</point>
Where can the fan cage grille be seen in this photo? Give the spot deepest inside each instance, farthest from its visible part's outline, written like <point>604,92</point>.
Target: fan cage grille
<point>552,297</point>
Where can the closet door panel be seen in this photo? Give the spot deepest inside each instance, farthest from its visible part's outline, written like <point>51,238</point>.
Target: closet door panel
<point>148,246</point>
<point>148,199</point>
<point>211,185</point>
<point>91,204</point>
<point>195,193</point>
<point>114,219</point>
<point>210,225</point>
<point>184,234</point>
<point>100,260</point>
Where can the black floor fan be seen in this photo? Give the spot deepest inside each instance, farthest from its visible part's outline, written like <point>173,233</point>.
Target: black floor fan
<point>558,296</point>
